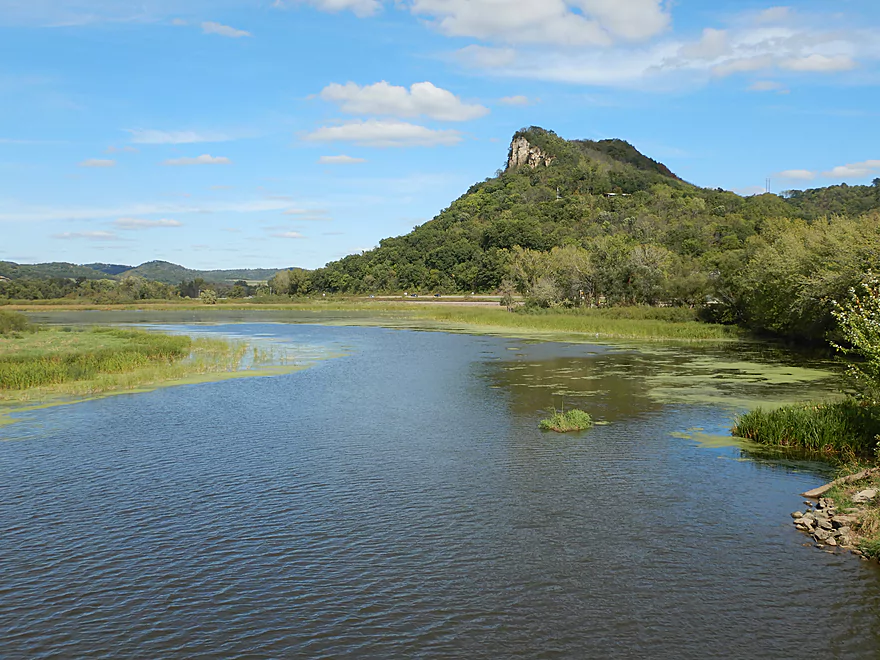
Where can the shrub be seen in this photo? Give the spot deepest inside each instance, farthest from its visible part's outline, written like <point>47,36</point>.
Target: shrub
<point>13,322</point>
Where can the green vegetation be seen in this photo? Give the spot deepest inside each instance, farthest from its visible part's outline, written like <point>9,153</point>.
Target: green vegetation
<point>850,427</point>
<point>610,323</point>
<point>564,421</point>
<point>10,323</point>
<point>845,428</point>
<point>89,361</point>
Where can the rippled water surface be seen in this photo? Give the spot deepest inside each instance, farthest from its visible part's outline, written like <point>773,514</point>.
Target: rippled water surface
<point>397,500</point>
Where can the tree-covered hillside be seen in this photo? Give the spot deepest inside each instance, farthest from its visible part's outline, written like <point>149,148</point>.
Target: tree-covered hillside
<point>600,222</point>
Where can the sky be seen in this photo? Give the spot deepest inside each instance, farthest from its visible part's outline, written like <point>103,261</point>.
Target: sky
<point>279,133</point>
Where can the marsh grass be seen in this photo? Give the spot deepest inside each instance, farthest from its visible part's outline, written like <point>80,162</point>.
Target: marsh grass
<point>93,361</point>
<point>612,323</point>
<point>844,428</point>
<point>564,421</point>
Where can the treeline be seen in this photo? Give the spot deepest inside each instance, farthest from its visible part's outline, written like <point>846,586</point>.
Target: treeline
<point>128,289</point>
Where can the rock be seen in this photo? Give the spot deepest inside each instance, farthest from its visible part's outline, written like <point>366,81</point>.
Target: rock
<point>821,535</point>
<point>844,531</point>
<point>844,541</point>
<point>804,522</point>
<point>826,524</point>
<point>522,152</point>
<point>843,521</point>
<point>831,541</point>
<point>810,517</point>
<point>865,496</point>
<point>808,503</point>
<point>797,514</point>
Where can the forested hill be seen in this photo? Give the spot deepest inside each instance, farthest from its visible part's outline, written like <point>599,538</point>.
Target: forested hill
<point>575,222</point>
<point>154,271</point>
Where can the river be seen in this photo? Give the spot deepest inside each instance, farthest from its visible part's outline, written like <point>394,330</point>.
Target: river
<point>397,500</point>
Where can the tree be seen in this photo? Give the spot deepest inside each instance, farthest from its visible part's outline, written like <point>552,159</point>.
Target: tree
<point>859,320</point>
<point>208,297</point>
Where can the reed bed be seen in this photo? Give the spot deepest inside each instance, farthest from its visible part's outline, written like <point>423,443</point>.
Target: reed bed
<point>623,323</point>
<point>845,428</point>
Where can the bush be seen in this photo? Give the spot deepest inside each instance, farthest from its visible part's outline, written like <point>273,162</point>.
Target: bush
<point>565,421</point>
<point>13,322</point>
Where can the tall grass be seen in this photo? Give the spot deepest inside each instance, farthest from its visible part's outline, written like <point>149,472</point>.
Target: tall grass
<point>128,351</point>
<point>845,427</point>
<point>618,323</point>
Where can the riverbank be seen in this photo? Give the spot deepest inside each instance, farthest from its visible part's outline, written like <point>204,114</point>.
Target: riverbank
<point>846,514</point>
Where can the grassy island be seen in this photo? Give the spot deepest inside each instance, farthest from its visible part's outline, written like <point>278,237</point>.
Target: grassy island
<point>565,421</point>
<point>37,363</point>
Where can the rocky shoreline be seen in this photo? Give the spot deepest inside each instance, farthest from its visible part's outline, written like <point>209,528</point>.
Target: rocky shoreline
<point>830,528</point>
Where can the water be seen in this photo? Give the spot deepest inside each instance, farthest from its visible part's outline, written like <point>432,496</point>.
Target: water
<point>399,501</point>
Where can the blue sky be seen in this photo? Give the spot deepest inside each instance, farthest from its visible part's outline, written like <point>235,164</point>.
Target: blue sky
<point>249,133</point>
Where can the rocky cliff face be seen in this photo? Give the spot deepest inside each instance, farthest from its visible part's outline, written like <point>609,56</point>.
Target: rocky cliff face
<point>522,152</point>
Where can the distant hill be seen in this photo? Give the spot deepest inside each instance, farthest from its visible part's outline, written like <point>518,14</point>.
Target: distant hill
<point>16,271</point>
<point>169,273</point>
<point>109,269</point>
<point>156,271</point>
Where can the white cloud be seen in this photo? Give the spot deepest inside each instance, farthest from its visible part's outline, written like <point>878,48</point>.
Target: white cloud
<point>126,149</point>
<point>421,100</point>
<point>210,27</point>
<point>515,100</point>
<point>150,136</point>
<point>307,213</point>
<point>359,7</point>
<point>340,160</point>
<point>385,133</point>
<point>288,234</point>
<point>819,63</point>
<point>854,170</point>
<point>812,43</point>
<point>774,15</point>
<point>87,235</point>
<point>797,175</point>
<point>98,162</point>
<point>484,57</point>
<point>766,86</point>
<point>713,44</point>
<point>204,159</point>
<point>558,22</point>
<point>141,223</point>
<point>743,65</point>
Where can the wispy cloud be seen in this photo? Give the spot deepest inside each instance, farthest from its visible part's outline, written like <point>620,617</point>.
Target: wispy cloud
<point>288,234</point>
<point>152,136</point>
<point>515,100</point>
<point>385,133</point>
<point>341,160</point>
<point>124,150</point>
<point>204,159</point>
<point>142,223</point>
<point>87,235</point>
<point>65,212</point>
<point>210,27</point>
<point>98,162</point>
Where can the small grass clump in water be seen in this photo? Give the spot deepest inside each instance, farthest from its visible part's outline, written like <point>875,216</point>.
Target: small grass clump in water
<point>844,428</point>
<point>564,421</point>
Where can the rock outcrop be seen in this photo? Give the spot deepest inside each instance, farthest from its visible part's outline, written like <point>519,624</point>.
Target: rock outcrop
<point>522,152</point>
<point>826,526</point>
